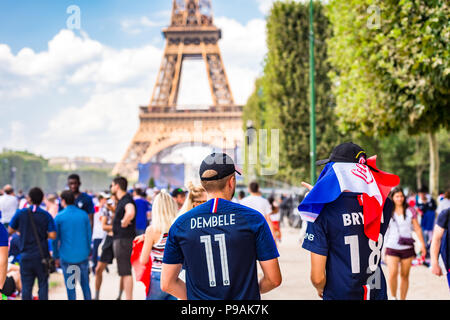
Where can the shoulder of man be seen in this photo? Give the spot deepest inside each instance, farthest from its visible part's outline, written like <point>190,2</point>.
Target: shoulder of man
<point>251,215</point>
<point>44,212</point>
<point>443,219</point>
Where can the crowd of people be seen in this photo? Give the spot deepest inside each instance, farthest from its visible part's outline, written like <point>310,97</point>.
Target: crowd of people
<point>80,234</point>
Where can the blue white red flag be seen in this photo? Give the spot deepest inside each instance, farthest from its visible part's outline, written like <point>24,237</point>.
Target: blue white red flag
<point>338,177</point>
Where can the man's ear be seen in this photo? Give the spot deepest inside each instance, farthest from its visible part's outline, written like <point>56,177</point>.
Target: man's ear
<point>232,181</point>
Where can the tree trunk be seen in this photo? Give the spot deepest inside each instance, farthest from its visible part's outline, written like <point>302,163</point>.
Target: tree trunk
<point>434,165</point>
<point>419,167</point>
<point>419,171</point>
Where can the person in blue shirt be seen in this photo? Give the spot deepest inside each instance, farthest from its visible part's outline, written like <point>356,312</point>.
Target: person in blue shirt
<point>219,243</point>
<point>14,249</point>
<point>345,263</point>
<point>72,245</point>
<point>3,255</point>
<point>143,207</point>
<point>426,204</point>
<point>82,200</point>
<point>31,266</point>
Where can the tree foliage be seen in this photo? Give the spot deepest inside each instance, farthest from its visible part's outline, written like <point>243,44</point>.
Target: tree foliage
<point>282,97</point>
<point>27,170</point>
<point>393,75</point>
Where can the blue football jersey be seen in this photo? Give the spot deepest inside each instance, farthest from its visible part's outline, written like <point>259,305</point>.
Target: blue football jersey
<point>353,268</point>
<point>3,236</point>
<point>219,243</point>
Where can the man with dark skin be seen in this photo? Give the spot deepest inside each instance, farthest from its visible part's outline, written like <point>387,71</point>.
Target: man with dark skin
<point>82,200</point>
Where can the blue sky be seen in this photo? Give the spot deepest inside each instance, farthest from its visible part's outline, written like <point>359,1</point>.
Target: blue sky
<point>30,23</point>
<point>67,92</point>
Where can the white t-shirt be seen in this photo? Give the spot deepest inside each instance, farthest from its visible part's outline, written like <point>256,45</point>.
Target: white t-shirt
<point>98,232</point>
<point>443,205</point>
<point>399,226</point>
<point>8,207</point>
<point>257,203</point>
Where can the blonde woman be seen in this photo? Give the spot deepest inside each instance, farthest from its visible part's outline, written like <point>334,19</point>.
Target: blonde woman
<point>195,197</point>
<point>164,213</point>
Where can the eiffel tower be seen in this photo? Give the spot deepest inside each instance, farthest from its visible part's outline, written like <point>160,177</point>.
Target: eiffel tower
<point>163,124</point>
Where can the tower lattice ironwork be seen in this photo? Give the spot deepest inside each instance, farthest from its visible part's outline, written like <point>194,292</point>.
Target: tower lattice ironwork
<point>191,34</point>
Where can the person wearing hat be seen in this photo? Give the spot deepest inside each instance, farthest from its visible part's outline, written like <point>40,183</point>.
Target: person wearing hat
<point>219,243</point>
<point>179,195</point>
<point>348,213</point>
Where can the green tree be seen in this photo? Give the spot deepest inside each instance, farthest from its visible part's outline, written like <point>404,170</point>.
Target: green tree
<point>151,183</point>
<point>392,68</point>
<point>283,103</point>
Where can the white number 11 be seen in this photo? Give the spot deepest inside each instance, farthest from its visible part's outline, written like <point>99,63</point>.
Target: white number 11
<point>210,260</point>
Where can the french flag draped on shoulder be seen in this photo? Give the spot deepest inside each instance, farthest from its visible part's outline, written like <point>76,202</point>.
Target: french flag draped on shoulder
<point>338,177</point>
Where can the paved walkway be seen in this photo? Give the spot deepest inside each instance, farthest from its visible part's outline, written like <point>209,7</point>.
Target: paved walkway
<point>295,267</point>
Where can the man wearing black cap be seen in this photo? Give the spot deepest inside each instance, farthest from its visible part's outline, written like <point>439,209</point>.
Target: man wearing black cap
<point>219,243</point>
<point>345,261</point>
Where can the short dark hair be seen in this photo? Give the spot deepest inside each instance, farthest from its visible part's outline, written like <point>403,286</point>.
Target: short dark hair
<point>74,176</point>
<point>122,182</point>
<point>140,192</point>
<point>216,185</point>
<point>9,190</point>
<point>254,187</point>
<point>423,189</point>
<point>68,197</point>
<point>36,196</point>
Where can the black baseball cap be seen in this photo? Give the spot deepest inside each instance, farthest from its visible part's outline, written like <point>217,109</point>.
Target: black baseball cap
<point>219,162</point>
<point>346,152</point>
<point>177,191</point>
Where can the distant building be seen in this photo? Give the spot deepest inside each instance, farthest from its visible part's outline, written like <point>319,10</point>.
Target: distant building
<point>80,162</point>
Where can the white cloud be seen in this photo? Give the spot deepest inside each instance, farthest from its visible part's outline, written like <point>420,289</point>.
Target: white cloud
<point>18,133</point>
<point>103,126</point>
<point>265,5</point>
<point>28,73</point>
<point>103,87</point>
<point>243,48</point>
<point>118,67</point>
<point>136,26</point>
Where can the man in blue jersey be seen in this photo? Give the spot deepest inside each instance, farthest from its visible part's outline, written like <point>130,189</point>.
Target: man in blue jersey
<point>82,200</point>
<point>219,243</point>
<point>33,223</point>
<point>345,263</point>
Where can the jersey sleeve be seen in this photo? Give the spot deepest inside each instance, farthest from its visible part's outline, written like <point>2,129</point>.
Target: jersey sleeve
<point>51,226</point>
<point>3,236</point>
<point>266,249</point>
<point>316,237</point>
<point>90,205</point>
<point>172,251</point>
<point>442,220</point>
<point>14,223</point>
